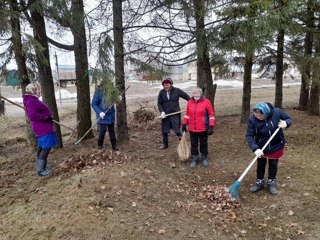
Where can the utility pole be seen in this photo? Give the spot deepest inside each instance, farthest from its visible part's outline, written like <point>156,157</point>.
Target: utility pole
<point>58,77</point>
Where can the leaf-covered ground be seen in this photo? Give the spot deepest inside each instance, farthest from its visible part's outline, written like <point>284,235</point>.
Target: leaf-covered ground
<point>147,193</point>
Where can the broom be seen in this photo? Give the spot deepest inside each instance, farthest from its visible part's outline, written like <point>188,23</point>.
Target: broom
<point>233,189</point>
<point>184,148</point>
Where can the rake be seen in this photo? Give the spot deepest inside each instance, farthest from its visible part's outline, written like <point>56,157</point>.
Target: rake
<point>170,114</point>
<point>97,121</point>
<point>233,189</point>
<point>18,105</point>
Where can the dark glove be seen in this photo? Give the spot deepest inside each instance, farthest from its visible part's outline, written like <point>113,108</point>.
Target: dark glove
<point>49,119</point>
<point>184,128</point>
<point>210,130</point>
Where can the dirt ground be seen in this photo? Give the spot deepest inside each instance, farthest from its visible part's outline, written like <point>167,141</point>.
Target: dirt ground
<point>147,193</point>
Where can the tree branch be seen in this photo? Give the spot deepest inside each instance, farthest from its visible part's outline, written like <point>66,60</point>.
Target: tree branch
<point>60,45</point>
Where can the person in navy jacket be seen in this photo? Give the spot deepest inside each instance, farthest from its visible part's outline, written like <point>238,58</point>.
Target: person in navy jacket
<point>261,125</point>
<point>200,117</point>
<point>105,113</point>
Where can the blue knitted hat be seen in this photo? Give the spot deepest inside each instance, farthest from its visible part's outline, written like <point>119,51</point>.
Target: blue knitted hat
<point>264,108</point>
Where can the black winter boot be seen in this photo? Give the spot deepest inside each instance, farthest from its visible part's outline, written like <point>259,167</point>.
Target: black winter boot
<point>259,184</point>
<point>114,145</point>
<point>164,145</point>
<point>272,186</point>
<point>100,144</point>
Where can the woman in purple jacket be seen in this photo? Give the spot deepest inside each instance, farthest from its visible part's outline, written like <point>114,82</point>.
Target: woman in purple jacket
<point>40,117</point>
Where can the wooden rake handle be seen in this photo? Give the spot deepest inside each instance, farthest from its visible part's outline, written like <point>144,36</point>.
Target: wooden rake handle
<point>18,105</point>
<point>174,113</point>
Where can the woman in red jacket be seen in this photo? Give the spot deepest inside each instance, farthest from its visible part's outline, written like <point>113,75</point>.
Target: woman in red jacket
<point>200,117</point>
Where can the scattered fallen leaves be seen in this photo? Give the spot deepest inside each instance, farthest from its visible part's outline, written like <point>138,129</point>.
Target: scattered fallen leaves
<point>162,231</point>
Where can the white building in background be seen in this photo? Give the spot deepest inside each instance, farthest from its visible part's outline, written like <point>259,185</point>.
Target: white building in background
<point>130,72</point>
<point>188,72</point>
<point>192,71</point>
<point>290,72</point>
<point>177,73</point>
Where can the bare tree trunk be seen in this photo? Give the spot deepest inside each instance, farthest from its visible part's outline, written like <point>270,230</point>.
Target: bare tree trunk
<point>314,107</point>
<point>306,69</point>
<point>43,61</point>
<point>81,59</point>
<point>279,70</point>
<point>2,106</point>
<point>246,91</point>
<point>204,75</point>
<point>21,63</point>
<point>122,125</point>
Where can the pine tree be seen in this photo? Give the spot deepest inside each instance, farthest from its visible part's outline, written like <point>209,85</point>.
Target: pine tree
<point>122,125</point>
<point>43,60</point>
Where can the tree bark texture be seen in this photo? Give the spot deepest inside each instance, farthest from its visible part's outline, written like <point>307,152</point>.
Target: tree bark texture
<point>122,125</point>
<point>204,75</point>
<point>81,59</point>
<point>313,108</point>
<point>21,63</point>
<point>2,107</point>
<point>314,105</point>
<point>246,91</point>
<point>43,61</point>
<point>247,78</point>
<point>306,70</point>
<point>279,69</point>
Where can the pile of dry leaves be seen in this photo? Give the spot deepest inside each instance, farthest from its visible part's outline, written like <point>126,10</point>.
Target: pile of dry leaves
<point>220,198</point>
<point>143,115</point>
<point>91,158</point>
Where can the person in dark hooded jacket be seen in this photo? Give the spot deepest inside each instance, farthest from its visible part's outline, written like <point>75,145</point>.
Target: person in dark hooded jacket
<point>261,125</point>
<point>168,102</point>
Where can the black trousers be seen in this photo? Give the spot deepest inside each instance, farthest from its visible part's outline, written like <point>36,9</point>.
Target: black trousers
<point>195,138</point>
<point>272,168</point>
<point>165,136</point>
<point>42,153</point>
<point>103,129</point>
